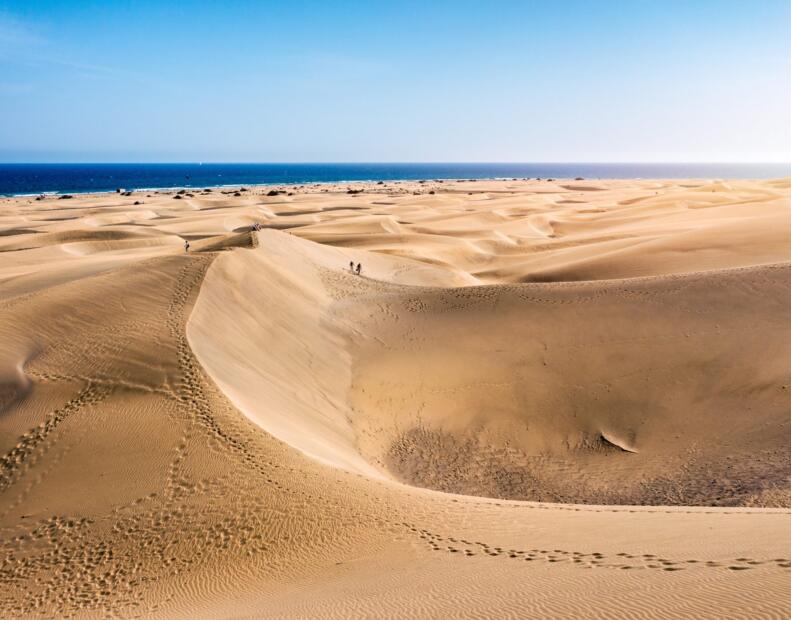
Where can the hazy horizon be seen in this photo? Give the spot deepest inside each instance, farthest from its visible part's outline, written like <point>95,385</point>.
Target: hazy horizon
<point>397,162</point>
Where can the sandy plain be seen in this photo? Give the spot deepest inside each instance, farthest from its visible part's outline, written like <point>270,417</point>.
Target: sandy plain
<point>539,399</point>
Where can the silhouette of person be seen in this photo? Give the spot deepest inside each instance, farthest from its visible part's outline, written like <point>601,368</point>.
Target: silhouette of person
<point>351,266</point>
<point>186,245</point>
<point>359,268</point>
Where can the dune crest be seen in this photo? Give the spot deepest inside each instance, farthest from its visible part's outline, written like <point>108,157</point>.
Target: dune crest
<point>508,391</point>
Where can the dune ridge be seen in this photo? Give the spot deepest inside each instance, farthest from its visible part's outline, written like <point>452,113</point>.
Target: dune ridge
<point>427,384</point>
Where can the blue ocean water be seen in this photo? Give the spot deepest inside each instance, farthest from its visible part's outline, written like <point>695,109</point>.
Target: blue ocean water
<point>16,179</point>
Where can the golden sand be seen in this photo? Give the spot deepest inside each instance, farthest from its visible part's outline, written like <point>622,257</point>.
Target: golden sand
<point>539,399</point>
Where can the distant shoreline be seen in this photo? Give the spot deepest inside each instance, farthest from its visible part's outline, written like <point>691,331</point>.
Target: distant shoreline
<point>249,186</point>
<point>284,187</point>
<point>20,180</point>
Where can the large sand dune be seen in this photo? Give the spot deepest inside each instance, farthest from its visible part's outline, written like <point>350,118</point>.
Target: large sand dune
<point>251,430</point>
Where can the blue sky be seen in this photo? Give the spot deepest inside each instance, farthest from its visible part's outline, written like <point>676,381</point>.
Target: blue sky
<point>290,81</point>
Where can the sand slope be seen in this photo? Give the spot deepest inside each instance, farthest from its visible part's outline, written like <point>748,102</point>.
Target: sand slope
<point>244,431</point>
<point>668,390</point>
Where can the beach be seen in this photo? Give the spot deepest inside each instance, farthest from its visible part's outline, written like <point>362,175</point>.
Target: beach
<point>538,398</point>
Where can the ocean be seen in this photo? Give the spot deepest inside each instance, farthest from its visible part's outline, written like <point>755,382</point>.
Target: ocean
<point>22,179</point>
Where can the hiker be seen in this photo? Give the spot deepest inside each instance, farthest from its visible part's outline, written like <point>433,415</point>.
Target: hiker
<point>351,266</point>
<point>359,268</point>
<point>186,245</point>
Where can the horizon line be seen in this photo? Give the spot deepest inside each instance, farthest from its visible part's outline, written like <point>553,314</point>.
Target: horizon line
<point>391,163</point>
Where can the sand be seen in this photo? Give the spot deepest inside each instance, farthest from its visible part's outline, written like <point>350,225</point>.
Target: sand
<point>540,399</point>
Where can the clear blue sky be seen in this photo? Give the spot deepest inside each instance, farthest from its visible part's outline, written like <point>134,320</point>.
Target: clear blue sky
<point>629,80</point>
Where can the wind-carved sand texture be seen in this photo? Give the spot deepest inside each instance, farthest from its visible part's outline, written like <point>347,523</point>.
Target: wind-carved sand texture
<point>251,430</point>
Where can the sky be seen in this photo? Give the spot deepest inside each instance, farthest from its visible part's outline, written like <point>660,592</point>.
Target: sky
<point>376,81</point>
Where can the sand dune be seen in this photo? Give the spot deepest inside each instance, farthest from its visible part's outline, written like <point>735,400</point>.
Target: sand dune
<point>467,429</point>
<point>629,379</point>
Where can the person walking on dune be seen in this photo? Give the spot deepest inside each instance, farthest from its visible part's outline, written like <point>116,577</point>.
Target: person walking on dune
<point>359,268</point>
<point>351,266</point>
<point>186,245</point>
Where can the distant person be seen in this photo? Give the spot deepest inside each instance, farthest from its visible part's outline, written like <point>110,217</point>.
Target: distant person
<point>351,266</point>
<point>186,245</point>
<point>359,268</point>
